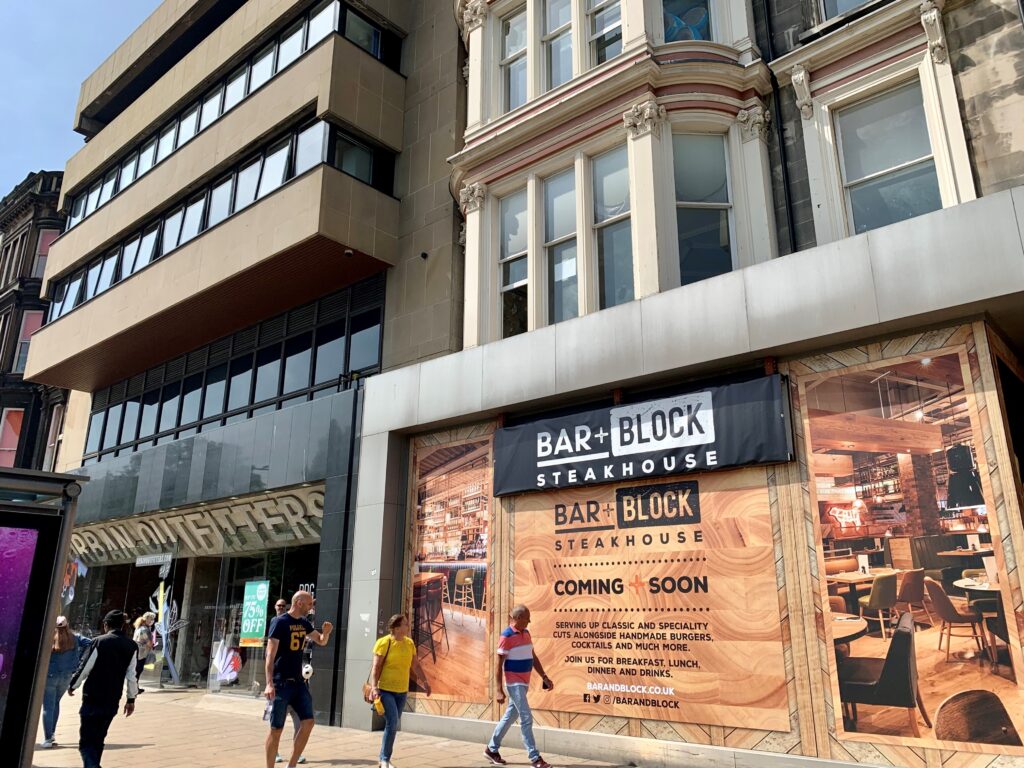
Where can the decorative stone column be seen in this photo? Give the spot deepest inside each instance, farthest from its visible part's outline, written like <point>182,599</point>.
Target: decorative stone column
<point>474,16</point>
<point>758,208</point>
<point>471,199</point>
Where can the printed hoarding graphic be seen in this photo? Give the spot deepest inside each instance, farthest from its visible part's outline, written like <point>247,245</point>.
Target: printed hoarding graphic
<point>254,613</point>
<point>732,425</point>
<point>656,600</point>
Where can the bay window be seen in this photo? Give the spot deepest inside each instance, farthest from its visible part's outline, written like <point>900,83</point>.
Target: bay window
<point>512,263</point>
<point>702,206</point>
<point>513,60</point>
<point>612,228</point>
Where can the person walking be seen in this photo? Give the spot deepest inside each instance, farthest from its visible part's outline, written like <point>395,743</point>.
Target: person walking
<point>394,657</point>
<point>515,661</point>
<point>106,665</point>
<point>143,637</point>
<point>65,654</point>
<point>280,608</point>
<point>286,684</point>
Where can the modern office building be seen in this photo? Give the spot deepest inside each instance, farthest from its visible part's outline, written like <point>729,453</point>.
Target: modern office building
<point>259,222</point>
<point>31,415</point>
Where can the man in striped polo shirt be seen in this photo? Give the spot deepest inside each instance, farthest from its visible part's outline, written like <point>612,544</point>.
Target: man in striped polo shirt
<point>515,661</point>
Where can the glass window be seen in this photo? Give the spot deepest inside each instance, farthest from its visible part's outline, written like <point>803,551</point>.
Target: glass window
<point>262,68</point>
<point>130,422</point>
<point>172,231</point>
<point>352,158</point>
<point>364,346</point>
<point>362,33</point>
<point>275,168</point>
<point>513,239</point>
<point>240,382</point>
<point>131,250</point>
<point>309,147</point>
<point>560,245</point>
<point>147,156</point>
<point>54,437</point>
<point>686,20</point>
<point>92,441</point>
<point>128,168</point>
<point>170,399</point>
<point>220,202</point>
<point>291,46</point>
<point>605,25</point>
<point>513,60</point>
<point>193,220</point>
<point>211,108</point>
<point>298,352</point>
<point>108,272</point>
<point>612,228</point>
<point>887,164</point>
<point>557,42</point>
<point>165,145</point>
<point>150,408</point>
<point>71,300</point>
<point>10,435</point>
<point>330,353</point>
<point>92,277</point>
<point>108,187</point>
<point>248,179</point>
<point>189,125</point>
<point>216,381</point>
<point>77,211</point>
<point>234,92</point>
<point>113,428</point>
<point>839,7</point>
<point>702,206</point>
<point>92,200</point>
<point>322,22</point>
<point>31,321</point>
<point>268,373</point>
<point>60,292</point>
<point>191,394</point>
<point>43,243</point>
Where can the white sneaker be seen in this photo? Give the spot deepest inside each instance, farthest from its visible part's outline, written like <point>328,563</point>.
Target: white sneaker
<point>48,744</point>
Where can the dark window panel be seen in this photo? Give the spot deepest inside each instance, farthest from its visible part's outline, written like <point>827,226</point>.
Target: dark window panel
<point>268,373</point>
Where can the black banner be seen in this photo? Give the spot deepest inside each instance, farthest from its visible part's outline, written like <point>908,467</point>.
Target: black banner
<point>728,426</point>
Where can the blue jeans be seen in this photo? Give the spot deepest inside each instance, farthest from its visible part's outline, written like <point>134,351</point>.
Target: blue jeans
<point>393,703</point>
<point>518,707</point>
<point>56,687</point>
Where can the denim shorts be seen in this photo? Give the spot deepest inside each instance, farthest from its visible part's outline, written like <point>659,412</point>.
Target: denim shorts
<point>294,694</point>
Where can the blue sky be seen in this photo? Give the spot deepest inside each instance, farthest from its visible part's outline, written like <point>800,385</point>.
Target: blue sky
<point>50,47</point>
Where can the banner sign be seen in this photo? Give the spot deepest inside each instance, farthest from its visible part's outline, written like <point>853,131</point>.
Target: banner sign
<point>656,600</point>
<point>254,614</point>
<point>727,426</point>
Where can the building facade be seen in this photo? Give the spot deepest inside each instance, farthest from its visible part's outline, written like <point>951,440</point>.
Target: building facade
<point>259,223</point>
<point>32,414</point>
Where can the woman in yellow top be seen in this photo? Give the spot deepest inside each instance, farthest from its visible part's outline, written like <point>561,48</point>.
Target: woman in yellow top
<point>394,655</point>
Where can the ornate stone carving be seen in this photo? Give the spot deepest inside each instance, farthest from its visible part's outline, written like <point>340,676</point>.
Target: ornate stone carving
<point>471,196</point>
<point>465,73</point>
<point>802,86</point>
<point>644,118</point>
<point>931,20</point>
<point>754,122</point>
<point>473,14</point>
<point>462,234</point>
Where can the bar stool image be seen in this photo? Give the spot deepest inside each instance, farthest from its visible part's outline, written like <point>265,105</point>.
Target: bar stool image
<point>446,597</point>
<point>464,590</point>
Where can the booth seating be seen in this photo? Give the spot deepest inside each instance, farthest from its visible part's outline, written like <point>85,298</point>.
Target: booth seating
<point>834,565</point>
<point>925,550</point>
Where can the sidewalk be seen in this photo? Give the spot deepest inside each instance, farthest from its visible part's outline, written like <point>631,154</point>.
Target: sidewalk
<point>172,729</point>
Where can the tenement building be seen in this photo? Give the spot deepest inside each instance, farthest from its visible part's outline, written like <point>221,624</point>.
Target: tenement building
<point>259,223</point>
<point>31,415</point>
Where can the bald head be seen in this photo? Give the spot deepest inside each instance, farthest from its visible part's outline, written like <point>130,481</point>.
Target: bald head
<point>302,603</point>
<point>520,616</point>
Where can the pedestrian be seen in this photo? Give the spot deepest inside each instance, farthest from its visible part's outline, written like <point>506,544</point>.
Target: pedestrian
<point>515,660</point>
<point>65,654</point>
<point>143,637</point>
<point>394,658</point>
<point>286,683</point>
<point>281,607</point>
<point>106,665</point>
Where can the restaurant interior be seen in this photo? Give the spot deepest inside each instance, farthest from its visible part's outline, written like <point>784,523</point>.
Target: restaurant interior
<point>917,611</point>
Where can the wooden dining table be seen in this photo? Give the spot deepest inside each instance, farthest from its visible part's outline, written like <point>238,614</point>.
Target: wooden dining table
<point>419,579</point>
<point>973,585</point>
<point>854,579</point>
<point>847,627</point>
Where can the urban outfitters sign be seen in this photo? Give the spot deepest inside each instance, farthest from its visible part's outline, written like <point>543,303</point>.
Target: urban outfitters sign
<point>728,426</point>
<point>656,600</point>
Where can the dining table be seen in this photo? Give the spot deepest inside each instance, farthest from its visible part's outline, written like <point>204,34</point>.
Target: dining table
<point>974,585</point>
<point>847,627</point>
<point>965,552</point>
<point>856,579</point>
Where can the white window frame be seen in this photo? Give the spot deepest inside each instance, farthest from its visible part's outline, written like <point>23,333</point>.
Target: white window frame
<point>499,282</point>
<point>543,283</point>
<point>505,62</point>
<point>832,220</point>
<point>547,37</point>
<point>54,438</point>
<point>588,14</point>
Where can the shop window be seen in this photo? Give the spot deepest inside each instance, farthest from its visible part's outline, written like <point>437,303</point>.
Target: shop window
<point>557,42</point>
<point>560,246</point>
<point>612,228</point>
<point>513,60</point>
<point>512,262</point>
<point>702,206</point>
<point>604,22</point>
<point>31,321</point>
<point>686,20</point>
<point>10,433</point>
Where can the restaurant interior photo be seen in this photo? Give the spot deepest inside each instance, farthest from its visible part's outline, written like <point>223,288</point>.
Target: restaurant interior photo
<point>918,615</point>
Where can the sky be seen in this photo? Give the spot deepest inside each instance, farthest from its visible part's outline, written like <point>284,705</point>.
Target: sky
<point>49,48</point>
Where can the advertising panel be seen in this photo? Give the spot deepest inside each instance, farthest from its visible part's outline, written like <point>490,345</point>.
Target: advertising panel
<point>254,614</point>
<point>17,551</point>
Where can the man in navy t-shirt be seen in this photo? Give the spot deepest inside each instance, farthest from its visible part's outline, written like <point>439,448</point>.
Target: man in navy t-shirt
<point>286,686</point>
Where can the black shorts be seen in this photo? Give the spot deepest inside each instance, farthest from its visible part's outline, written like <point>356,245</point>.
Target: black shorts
<point>294,694</point>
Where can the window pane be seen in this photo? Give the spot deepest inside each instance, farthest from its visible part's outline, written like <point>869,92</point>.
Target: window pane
<point>189,125</point>
<point>147,249</point>
<point>700,168</point>
<point>559,60</point>
<point>71,300</point>
<point>513,34</point>
<point>704,249</point>
<point>216,385</point>
<point>354,159</point>
<point>291,46</point>
<point>606,29</point>
<point>362,33</point>
<point>512,212</point>
<point>248,178</point>
<point>563,300</point>
<point>130,423</point>
<point>274,169</point>
<point>191,394</point>
<point>323,21</point>
<point>150,406</point>
<point>895,197</point>
<point>240,382</point>
<point>686,20</point>
<point>93,200</point>
<point>172,230</point>
<point>513,312</point>
<point>113,428</point>
<point>297,356</point>
<point>166,143</point>
<point>169,399</point>
<point>364,349</point>
<point>513,272</point>
<point>130,252</point>
<point>883,132</point>
<point>220,203</point>
<point>515,84</point>
<point>77,210</point>
<point>128,170</point>
<point>107,190</point>
<point>310,147</point>
<point>92,442</point>
<point>211,109</point>
<point>262,69</point>
<point>92,278</point>
<point>556,14</point>
<point>193,220</point>
<point>268,373</point>
<point>837,7</point>
<point>560,205</point>
<point>106,277</point>
<point>615,264</point>
<point>330,353</point>
<point>235,90</point>
<point>611,184</point>
<point>147,156</point>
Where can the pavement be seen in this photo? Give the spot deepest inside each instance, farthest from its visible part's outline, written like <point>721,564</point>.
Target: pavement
<point>191,728</point>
